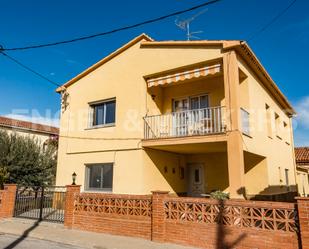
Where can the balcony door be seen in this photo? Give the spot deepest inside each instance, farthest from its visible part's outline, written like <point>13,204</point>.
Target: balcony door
<point>188,113</point>
<point>180,116</point>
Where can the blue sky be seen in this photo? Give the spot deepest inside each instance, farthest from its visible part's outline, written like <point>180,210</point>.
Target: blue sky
<point>282,48</point>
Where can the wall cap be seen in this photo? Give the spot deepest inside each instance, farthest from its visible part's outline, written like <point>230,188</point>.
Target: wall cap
<point>162,192</point>
<point>302,198</point>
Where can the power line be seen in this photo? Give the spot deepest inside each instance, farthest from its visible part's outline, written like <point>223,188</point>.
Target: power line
<point>114,30</point>
<point>28,68</point>
<point>274,19</point>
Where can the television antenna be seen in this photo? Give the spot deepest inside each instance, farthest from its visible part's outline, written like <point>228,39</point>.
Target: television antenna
<point>185,25</point>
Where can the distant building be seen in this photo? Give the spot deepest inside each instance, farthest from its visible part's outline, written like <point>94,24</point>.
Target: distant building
<point>42,132</point>
<point>302,167</point>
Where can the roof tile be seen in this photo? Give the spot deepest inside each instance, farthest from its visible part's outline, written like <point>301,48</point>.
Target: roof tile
<point>14,123</point>
<point>302,155</point>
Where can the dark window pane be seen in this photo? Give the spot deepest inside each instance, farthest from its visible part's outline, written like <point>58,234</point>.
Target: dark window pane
<point>100,177</point>
<point>204,102</point>
<point>95,176</point>
<point>110,112</point>
<point>197,175</point>
<point>104,113</point>
<point>194,103</point>
<point>108,176</point>
<point>99,114</point>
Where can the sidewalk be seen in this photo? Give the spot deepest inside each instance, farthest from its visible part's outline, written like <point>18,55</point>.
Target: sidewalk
<point>57,233</point>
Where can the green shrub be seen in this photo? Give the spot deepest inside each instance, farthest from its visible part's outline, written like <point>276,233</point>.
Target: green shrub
<point>219,195</point>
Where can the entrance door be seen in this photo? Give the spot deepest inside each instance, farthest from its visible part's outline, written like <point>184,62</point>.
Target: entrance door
<point>196,182</point>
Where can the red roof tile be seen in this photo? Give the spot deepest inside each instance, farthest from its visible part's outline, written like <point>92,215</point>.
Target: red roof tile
<point>302,155</point>
<point>14,123</point>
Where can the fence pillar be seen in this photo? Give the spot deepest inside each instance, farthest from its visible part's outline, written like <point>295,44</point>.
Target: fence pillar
<point>303,215</point>
<point>8,201</point>
<point>72,190</point>
<point>158,216</point>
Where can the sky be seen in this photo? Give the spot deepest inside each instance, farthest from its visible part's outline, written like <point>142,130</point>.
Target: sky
<point>282,48</point>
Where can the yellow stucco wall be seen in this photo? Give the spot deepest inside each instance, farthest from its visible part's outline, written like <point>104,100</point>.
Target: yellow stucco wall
<point>302,177</point>
<point>277,148</point>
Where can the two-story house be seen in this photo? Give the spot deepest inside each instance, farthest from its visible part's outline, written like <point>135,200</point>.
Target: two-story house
<point>189,117</point>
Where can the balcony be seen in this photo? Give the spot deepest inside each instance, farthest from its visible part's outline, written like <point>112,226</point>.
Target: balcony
<point>198,122</point>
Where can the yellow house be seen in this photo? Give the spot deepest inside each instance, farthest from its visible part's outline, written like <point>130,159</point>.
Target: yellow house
<point>189,117</point>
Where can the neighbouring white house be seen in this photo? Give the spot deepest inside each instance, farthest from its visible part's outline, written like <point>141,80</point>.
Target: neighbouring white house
<point>39,131</point>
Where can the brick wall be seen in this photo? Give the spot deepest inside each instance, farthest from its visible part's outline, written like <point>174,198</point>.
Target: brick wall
<point>231,224</point>
<point>198,222</point>
<point>7,201</point>
<point>128,215</point>
<point>303,214</point>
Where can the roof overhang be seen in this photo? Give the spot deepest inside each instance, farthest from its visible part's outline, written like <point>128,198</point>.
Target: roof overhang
<point>240,47</point>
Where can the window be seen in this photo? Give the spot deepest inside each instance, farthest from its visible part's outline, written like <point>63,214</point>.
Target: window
<point>199,102</point>
<point>182,172</point>
<point>196,175</point>
<point>191,103</point>
<point>103,113</point>
<point>268,121</point>
<point>99,177</point>
<point>287,178</point>
<point>277,123</point>
<point>245,121</point>
<point>286,133</point>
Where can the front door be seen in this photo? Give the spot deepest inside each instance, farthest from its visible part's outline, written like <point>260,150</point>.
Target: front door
<point>196,182</point>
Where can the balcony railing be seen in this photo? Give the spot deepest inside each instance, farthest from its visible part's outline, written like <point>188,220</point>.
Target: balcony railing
<point>185,123</point>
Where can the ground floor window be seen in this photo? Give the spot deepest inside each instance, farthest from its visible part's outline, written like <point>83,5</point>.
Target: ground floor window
<point>99,177</point>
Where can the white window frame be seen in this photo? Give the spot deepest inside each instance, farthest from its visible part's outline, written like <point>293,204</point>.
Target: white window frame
<point>245,122</point>
<point>188,98</point>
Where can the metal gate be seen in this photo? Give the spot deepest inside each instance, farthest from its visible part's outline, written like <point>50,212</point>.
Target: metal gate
<point>40,203</point>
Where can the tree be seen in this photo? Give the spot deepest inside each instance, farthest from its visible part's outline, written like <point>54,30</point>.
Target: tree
<point>26,160</point>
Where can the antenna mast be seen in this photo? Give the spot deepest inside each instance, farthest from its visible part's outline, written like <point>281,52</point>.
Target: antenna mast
<point>185,25</point>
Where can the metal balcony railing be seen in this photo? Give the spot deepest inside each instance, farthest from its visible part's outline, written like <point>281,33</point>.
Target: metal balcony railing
<point>185,123</point>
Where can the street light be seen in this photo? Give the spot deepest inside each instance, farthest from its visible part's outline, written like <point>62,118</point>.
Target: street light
<point>74,178</point>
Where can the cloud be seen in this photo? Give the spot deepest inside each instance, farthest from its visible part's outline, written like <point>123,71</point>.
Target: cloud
<point>73,62</point>
<point>35,119</point>
<point>302,109</point>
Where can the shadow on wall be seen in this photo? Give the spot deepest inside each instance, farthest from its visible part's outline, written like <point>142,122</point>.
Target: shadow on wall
<point>222,233</point>
<point>276,193</point>
<point>169,166</point>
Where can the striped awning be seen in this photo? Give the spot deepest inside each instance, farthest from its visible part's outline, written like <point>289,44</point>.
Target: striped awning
<point>185,75</point>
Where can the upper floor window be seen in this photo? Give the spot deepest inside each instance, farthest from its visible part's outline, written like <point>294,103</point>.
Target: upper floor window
<point>245,121</point>
<point>277,125</point>
<point>103,113</point>
<point>268,121</point>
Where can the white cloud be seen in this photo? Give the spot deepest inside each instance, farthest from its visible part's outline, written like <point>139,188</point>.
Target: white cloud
<point>35,119</point>
<point>302,109</point>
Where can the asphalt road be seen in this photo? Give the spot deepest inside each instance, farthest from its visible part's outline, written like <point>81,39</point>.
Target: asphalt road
<point>16,242</point>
